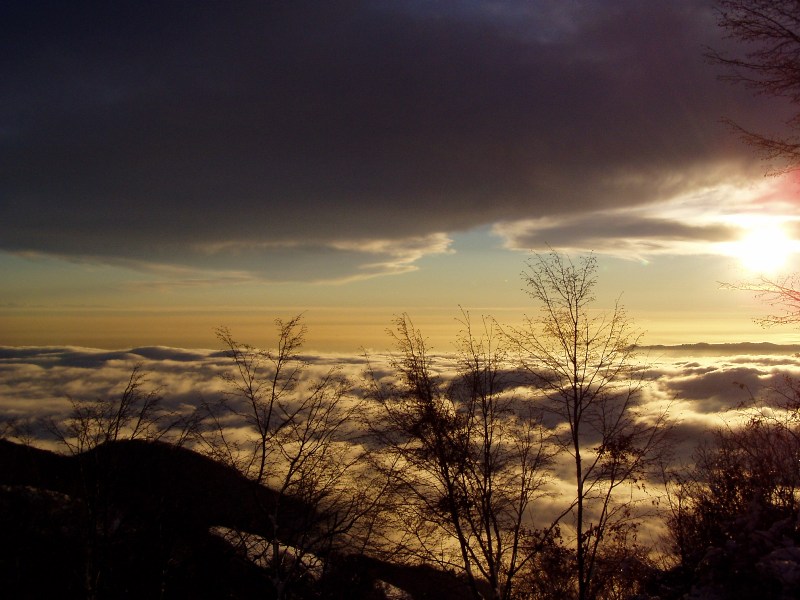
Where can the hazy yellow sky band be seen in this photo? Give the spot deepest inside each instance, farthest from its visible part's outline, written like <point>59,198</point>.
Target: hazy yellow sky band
<point>346,330</point>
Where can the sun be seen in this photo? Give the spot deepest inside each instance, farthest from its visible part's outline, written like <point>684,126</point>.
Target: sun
<point>765,249</point>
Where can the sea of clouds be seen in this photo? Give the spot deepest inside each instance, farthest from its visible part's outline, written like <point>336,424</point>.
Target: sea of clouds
<point>704,387</point>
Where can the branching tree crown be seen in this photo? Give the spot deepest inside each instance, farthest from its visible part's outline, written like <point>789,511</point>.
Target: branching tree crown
<point>770,30</point>
<point>136,414</point>
<point>467,461</point>
<point>302,443</point>
<point>585,366</point>
<point>733,522</point>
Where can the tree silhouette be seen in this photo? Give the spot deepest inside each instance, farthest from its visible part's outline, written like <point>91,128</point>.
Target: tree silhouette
<point>769,30</point>
<point>466,458</point>
<point>584,366</point>
<point>770,65</point>
<point>300,439</point>
<point>733,524</point>
<point>135,414</point>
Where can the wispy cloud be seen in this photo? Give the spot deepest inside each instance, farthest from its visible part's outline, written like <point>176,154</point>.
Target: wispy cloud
<point>707,221</point>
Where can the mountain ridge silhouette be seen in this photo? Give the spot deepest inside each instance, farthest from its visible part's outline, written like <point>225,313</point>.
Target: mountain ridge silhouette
<point>157,504</point>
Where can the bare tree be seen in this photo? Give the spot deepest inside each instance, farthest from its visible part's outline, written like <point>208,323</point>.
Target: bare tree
<point>136,414</point>
<point>733,523</point>
<point>466,458</point>
<point>770,29</point>
<point>21,430</point>
<point>301,441</point>
<point>781,294</point>
<point>584,365</point>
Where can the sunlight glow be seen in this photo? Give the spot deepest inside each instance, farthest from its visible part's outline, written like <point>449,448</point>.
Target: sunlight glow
<point>765,248</point>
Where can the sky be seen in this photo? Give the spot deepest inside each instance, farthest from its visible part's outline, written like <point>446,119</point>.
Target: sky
<point>170,167</point>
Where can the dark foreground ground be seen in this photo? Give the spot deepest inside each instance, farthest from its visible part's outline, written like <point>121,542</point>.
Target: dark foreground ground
<point>133,520</point>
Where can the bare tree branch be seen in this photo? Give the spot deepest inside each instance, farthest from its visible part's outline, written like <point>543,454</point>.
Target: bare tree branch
<point>467,458</point>
<point>770,65</point>
<point>585,366</point>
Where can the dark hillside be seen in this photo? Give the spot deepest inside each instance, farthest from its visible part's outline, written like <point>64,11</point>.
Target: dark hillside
<point>131,519</point>
<point>128,519</point>
<point>157,481</point>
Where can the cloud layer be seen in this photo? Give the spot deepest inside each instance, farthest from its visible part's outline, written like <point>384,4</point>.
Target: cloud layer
<point>300,140</point>
<point>705,387</point>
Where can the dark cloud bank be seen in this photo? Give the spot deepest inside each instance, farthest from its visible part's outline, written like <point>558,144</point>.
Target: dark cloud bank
<point>229,135</point>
